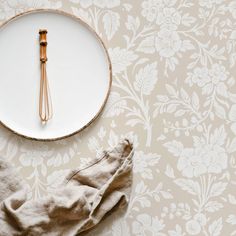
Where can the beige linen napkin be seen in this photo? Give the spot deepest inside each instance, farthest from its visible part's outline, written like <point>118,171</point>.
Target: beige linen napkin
<point>80,203</point>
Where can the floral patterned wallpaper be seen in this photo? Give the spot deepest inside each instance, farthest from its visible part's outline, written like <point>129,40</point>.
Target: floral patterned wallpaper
<point>174,95</point>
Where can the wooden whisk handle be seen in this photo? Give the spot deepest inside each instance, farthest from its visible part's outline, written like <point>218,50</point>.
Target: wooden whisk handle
<point>43,45</point>
<point>45,102</point>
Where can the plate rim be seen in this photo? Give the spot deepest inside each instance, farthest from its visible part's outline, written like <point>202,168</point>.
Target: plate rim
<point>86,25</point>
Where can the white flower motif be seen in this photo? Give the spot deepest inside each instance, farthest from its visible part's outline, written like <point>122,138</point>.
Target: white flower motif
<point>193,227</point>
<point>169,18</point>
<point>121,58</point>
<point>200,218</point>
<point>28,3</point>
<point>106,3</point>
<point>232,117</point>
<point>146,224</point>
<point>168,43</point>
<point>31,160</point>
<point>144,162</point>
<point>210,79</point>
<point>83,3</point>
<point>218,76</point>
<point>12,7</point>
<point>191,163</point>
<point>151,9</point>
<point>218,73</point>
<point>232,9</point>
<point>200,76</point>
<point>177,232</point>
<point>206,157</point>
<point>209,3</point>
<point>215,158</point>
<point>206,3</point>
<point>98,3</point>
<point>33,154</point>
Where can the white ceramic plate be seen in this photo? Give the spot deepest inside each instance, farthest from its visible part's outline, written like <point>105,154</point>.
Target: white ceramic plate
<point>78,71</point>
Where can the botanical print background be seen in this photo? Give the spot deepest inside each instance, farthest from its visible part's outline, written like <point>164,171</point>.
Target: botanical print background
<point>174,95</point>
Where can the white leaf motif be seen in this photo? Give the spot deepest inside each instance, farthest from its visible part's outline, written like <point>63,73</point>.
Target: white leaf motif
<point>132,23</point>
<point>170,172</point>
<point>127,6</point>
<point>231,219</point>
<point>141,188</point>
<point>166,195</point>
<point>146,79</point>
<point>217,189</point>
<point>188,185</point>
<point>12,148</point>
<point>82,14</point>
<point>213,206</point>
<point>219,110</point>
<point>195,101</point>
<point>111,22</point>
<point>147,45</point>
<point>232,113</point>
<point>120,228</point>
<point>215,228</point>
<point>232,199</point>
<point>115,105</point>
<point>188,20</point>
<point>174,147</point>
<point>232,146</point>
<point>144,162</point>
<point>144,202</point>
<point>219,136</point>
<point>171,90</point>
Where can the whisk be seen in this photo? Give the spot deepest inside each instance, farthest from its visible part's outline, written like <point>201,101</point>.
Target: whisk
<point>45,101</point>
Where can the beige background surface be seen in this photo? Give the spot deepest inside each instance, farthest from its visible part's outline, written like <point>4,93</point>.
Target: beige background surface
<point>174,95</point>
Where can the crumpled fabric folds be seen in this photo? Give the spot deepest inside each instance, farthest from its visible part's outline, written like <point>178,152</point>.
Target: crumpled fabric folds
<point>77,205</point>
